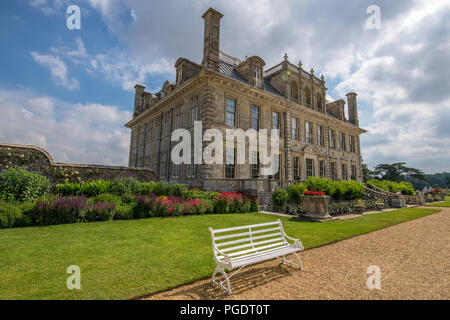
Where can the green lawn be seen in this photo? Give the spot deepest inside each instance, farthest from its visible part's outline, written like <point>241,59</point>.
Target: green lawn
<point>126,259</point>
<point>441,204</point>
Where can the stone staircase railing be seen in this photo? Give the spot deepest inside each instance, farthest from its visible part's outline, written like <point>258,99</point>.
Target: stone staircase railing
<point>393,199</point>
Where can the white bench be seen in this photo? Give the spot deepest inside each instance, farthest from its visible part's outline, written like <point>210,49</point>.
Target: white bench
<point>246,245</point>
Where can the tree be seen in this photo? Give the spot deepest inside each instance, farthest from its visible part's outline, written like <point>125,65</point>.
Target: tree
<point>366,172</point>
<point>398,172</point>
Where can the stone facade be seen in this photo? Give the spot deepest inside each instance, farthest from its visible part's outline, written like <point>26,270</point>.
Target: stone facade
<point>37,159</point>
<point>316,138</point>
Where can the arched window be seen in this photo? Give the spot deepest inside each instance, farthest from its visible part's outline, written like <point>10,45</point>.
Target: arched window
<point>294,91</point>
<point>308,97</point>
<point>319,101</point>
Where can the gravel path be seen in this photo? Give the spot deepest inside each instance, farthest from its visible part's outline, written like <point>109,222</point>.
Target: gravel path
<point>414,258</point>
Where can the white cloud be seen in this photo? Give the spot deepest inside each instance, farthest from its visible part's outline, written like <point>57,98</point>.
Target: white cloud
<point>58,70</point>
<point>77,133</point>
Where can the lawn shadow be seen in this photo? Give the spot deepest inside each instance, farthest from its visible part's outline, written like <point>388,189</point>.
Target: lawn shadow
<point>245,280</point>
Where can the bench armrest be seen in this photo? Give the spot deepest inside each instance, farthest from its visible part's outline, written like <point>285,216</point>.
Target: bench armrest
<point>297,243</point>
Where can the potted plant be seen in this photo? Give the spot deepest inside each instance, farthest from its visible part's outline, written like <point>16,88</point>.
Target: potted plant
<point>315,205</point>
<point>359,206</point>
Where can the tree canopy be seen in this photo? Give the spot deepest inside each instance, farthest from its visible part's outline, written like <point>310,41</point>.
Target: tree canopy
<point>397,172</point>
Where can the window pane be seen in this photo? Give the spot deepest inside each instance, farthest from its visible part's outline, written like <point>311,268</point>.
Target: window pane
<point>231,105</point>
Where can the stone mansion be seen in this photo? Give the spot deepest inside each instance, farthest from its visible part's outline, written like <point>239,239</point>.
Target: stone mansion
<point>316,137</point>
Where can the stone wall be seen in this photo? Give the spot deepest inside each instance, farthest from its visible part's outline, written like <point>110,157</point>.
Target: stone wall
<point>37,159</point>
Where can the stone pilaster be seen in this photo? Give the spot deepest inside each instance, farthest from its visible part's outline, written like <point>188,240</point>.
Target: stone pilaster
<point>287,147</point>
<point>208,110</point>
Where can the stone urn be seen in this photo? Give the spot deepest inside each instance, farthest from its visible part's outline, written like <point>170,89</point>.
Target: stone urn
<point>315,208</point>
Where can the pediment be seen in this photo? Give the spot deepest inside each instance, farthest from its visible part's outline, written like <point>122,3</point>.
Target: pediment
<point>311,149</point>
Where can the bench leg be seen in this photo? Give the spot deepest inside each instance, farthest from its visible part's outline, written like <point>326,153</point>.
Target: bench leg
<point>220,283</point>
<point>299,264</point>
<point>299,261</point>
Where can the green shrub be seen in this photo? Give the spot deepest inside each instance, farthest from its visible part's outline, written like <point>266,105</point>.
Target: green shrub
<point>177,190</point>
<point>279,198</point>
<point>147,187</point>
<point>22,185</point>
<point>120,186</point>
<point>127,198</point>
<point>330,187</point>
<point>107,198</point>
<point>199,194</point>
<point>294,192</point>
<point>406,188</point>
<point>124,212</point>
<point>12,216</point>
<point>87,189</point>
<point>351,190</point>
<point>162,189</point>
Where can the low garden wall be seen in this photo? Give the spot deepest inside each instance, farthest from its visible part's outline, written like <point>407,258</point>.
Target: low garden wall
<point>37,159</point>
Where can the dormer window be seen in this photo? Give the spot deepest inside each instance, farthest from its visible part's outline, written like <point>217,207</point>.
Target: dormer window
<point>258,76</point>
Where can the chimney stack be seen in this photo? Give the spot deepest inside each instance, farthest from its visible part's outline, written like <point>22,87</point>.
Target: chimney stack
<point>352,108</point>
<point>211,39</point>
<point>138,103</point>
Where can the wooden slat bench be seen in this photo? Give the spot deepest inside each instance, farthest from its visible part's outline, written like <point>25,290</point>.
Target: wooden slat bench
<point>239,247</point>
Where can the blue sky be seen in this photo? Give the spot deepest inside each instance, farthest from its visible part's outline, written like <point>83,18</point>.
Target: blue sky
<point>71,91</point>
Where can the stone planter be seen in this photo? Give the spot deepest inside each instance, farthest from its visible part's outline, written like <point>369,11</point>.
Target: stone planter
<point>359,208</point>
<point>315,208</point>
<point>380,206</point>
<point>398,202</point>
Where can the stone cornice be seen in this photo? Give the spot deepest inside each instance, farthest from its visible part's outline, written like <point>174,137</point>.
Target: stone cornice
<point>210,76</point>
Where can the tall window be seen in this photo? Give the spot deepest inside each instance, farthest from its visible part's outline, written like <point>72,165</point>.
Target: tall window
<point>353,172</point>
<point>308,132</point>
<point>352,143</point>
<point>294,91</point>
<point>258,76</point>
<point>163,171</point>
<point>320,140</point>
<point>308,96</point>
<point>344,172</point>
<point>322,168</point>
<point>255,117</point>
<point>175,170</point>
<point>230,163</point>
<point>333,172</point>
<point>231,112</point>
<point>294,129</point>
<point>319,101</point>
<point>296,169</point>
<point>194,109</point>
<point>332,138</point>
<point>191,167</point>
<point>167,123</point>
<point>255,165</point>
<point>278,165</point>
<point>178,118</point>
<point>309,168</point>
<point>276,121</point>
<point>342,141</point>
